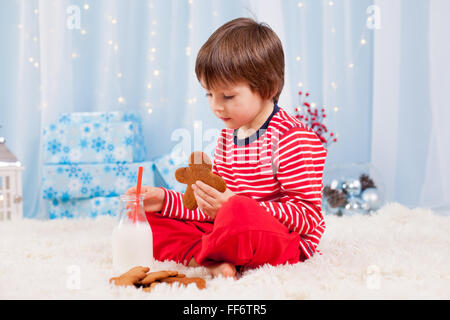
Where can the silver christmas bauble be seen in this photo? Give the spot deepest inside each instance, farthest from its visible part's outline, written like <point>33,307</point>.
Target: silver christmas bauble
<point>352,187</point>
<point>371,198</point>
<point>354,206</point>
<point>335,184</point>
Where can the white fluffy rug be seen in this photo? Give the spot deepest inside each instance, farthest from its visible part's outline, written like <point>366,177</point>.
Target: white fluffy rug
<point>397,253</point>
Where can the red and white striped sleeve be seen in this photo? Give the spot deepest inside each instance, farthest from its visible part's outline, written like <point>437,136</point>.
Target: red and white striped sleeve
<point>299,159</point>
<point>174,208</point>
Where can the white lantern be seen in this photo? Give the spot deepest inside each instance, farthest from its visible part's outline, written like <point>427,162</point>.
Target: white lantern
<point>11,207</point>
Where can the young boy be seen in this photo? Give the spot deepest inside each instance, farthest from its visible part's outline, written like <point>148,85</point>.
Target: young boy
<point>272,165</point>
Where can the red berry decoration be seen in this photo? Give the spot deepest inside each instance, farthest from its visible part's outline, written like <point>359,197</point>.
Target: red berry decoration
<point>313,119</point>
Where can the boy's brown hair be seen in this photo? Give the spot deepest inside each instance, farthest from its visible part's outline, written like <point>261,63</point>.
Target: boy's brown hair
<point>243,50</point>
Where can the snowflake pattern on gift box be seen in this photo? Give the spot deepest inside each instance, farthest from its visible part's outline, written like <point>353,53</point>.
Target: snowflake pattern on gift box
<point>54,146</point>
<point>73,170</point>
<point>49,193</point>
<point>120,169</point>
<point>86,178</point>
<point>84,143</point>
<point>97,192</point>
<point>98,144</point>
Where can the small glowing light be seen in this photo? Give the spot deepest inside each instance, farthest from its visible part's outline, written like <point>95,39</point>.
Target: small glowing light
<point>190,1</point>
<point>333,30</point>
<point>334,85</point>
<point>313,105</point>
<point>153,50</point>
<point>197,124</point>
<point>300,4</point>
<point>190,25</point>
<point>331,3</point>
<point>188,51</point>
<point>149,85</point>
<point>116,47</point>
<point>36,11</point>
<point>119,75</point>
<point>156,72</point>
<point>150,110</point>
<point>20,26</point>
<point>153,33</point>
<point>36,64</point>
<point>86,6</point>
<point>351,65</point>
<point>363,41</point>
<point>299,58</point>
<point>83,32</point>
<point>121,99</point>
<point>336,109</point>
<point>300,84</point>
<point>114,21</point>
<point>110,42</point>
<point>74,55</point>
<point>31,59</point>
<point>35,39</point>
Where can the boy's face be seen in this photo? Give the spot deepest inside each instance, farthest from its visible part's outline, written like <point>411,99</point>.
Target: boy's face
<point>236,105</point>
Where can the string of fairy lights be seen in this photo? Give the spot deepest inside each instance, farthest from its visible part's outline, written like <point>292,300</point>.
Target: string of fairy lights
<point>155,73</point>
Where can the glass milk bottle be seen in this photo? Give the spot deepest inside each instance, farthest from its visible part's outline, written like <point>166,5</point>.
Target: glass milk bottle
<point>132,239</point>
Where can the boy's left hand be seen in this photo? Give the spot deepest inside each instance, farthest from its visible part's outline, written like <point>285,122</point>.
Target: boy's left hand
<point>209,200</point>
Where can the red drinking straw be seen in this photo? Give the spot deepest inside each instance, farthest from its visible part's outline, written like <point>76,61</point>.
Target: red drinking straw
<point>138,193</point>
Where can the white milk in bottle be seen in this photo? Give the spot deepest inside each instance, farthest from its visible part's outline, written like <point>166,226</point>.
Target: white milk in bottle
<point>132,239</point>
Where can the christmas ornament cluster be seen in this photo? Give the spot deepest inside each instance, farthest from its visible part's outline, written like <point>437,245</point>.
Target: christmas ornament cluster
<point>351,196</point>
<point>314,117</point>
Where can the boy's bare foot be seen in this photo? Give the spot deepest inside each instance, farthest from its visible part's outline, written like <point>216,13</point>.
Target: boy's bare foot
<point>224,269</point>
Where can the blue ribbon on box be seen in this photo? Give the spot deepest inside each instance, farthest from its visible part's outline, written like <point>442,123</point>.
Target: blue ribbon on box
<point>87,208</point>
<point>98,142</point>
<point>83,181</point>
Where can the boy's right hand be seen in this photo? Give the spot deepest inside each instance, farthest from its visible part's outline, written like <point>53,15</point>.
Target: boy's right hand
<point>153,198</point>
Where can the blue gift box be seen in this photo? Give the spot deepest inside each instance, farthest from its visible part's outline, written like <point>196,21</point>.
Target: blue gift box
<point>83,181</point>
<point>87,208</point>
<point>96,142</point>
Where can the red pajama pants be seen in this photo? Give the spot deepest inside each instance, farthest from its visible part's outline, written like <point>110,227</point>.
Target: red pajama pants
<point>243,234</point>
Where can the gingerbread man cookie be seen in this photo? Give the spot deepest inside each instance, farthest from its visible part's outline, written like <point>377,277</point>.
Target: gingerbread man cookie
<point>131,277</point>
<point>200,168</point>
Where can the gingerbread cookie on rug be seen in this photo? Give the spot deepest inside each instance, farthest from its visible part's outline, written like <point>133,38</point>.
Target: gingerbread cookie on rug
<point>139,277</point>
<point>130,278</point>
<point>200,168</point>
